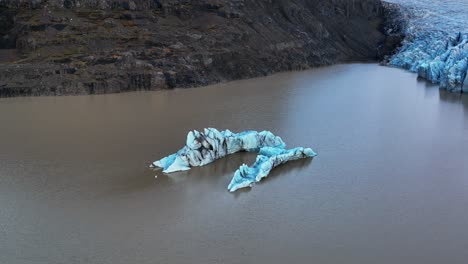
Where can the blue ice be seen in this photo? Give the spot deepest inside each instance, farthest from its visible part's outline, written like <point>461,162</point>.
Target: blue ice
<point>202,148</point>
<point>267,159</point>
<point>436,42</point>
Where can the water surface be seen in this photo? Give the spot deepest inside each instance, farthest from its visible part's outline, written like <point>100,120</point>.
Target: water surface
<point>390,184</point>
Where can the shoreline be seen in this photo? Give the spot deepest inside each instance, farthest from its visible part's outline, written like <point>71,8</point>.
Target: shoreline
<point>222,83</point>
<point>173,52</point>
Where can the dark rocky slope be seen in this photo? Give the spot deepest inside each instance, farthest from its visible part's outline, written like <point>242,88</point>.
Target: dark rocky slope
<point>103,46</point>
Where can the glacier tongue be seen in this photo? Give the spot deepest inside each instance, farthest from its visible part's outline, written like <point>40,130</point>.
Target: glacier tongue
<point>465,84</point>
<point>441,60</point>
<point>435,46</point>
<point>205,147</point>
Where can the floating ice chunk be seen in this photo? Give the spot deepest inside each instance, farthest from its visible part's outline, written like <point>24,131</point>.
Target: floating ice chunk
<point>267,159</point>
<point>205,147</point>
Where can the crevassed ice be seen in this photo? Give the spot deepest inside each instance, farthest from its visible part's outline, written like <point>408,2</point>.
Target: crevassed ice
<point>205,147</point>
<point>436,43</point>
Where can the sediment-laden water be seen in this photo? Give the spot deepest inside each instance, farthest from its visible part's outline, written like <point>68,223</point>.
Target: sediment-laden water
<point>389,185</point>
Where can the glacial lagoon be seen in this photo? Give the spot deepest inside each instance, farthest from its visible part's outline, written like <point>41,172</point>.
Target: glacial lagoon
<point>389,184</point>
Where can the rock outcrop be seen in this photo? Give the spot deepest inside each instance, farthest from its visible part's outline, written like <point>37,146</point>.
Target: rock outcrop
<point>104,46</point>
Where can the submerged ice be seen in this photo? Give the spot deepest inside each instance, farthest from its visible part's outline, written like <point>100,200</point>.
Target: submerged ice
<point>436,43</point>
<point>202,148</point>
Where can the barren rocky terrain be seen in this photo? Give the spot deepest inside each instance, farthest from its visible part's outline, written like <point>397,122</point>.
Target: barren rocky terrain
<point>59,47</point>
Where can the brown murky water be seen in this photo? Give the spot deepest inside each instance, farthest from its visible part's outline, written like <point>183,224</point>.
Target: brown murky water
<point>390,184</point>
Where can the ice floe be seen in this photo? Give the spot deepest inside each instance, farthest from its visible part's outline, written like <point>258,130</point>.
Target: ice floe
<point>202,148</point>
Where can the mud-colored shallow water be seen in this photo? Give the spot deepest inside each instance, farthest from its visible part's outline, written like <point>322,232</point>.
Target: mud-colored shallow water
<point>390,184</point>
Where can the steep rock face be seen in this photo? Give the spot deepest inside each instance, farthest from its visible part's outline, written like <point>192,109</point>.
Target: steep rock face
<point>103,46</point>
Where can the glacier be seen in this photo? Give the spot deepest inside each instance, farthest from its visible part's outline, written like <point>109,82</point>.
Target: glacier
<point>202,148</point>
<point>267,159</point>
<point>436,42</point>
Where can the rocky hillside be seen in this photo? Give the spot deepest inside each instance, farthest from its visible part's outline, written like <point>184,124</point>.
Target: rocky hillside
<point>57,47</point>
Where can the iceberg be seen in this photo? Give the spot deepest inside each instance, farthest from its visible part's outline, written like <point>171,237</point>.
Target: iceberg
<point>267,159</point>
<point>436,42</point>
<point>202,148</point>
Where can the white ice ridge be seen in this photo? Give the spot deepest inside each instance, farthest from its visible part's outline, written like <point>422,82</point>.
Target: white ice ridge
<point>267,159</point>
<point>205,147</point>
